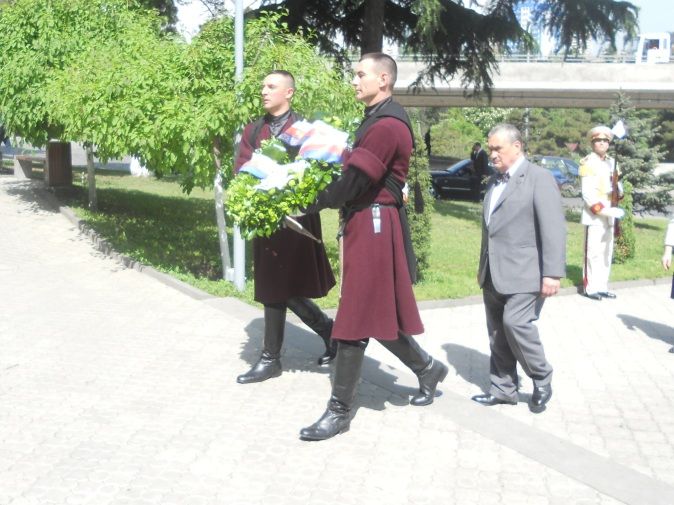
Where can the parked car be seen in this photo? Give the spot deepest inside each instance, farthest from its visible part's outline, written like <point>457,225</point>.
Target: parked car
<point>458,180</point>
<point>564,170</point>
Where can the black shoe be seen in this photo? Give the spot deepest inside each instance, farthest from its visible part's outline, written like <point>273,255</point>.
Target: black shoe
<point>607,294</point>
<point>672,350</point>
<point>266,367</point>
<point>337,417</point>
<point>332,423</point>
<point>593,296</point>
<point>540,397</point>
<point>489,400</point>
<point>429,378</point>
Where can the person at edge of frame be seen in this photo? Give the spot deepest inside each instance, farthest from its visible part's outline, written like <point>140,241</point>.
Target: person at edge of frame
<point>667,255</point>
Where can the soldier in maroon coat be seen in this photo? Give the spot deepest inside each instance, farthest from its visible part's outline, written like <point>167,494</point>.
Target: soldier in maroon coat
<point>289,268</point>
<point>377,300</point>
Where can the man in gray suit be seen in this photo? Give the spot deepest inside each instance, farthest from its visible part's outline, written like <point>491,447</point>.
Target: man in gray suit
<point>522,259</point>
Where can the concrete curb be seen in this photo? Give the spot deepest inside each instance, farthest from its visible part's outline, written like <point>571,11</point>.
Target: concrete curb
<point>103,246</point>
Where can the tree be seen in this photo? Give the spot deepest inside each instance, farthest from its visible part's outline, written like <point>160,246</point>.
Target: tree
<point>177,106</point>
<point>38,39</point>
<point>551,131</point>
<point>453,136</point>
<point>165,8</point>
<point>637,156</point>
<point>448,37</point>
<point>665,137</point>
<point>172,103</point>
<point>625,241</point>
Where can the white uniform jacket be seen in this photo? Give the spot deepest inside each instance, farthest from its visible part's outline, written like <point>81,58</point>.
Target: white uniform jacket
<point>595,177</point>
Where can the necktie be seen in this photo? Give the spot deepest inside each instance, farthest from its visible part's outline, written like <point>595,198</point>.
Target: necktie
<point>502,178</point>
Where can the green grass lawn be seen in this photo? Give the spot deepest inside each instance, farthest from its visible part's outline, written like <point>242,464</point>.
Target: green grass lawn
<point>153,222</point>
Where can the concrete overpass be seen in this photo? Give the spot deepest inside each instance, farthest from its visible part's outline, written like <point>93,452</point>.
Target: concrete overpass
<point>569,84</point>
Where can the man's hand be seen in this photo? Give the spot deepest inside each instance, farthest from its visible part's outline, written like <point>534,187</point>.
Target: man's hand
<point>667,257</point>
<point>549,286</point>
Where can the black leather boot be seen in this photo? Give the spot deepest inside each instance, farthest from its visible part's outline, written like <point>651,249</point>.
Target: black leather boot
<point>337,417</point>
<point>317,320</point>
<point>428,371</point>
<point>269,364</point>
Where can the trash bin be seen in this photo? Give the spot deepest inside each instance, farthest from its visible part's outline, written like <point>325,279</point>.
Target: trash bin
<point>58,170</point>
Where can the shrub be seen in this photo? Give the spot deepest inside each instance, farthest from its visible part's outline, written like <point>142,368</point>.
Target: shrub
<point>624,246</point>
<point>420,207</point>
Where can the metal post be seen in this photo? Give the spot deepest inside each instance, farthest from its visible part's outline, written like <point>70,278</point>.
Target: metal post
<point>239,244</point>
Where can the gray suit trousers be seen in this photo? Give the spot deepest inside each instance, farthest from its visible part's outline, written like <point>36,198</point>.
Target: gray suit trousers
<point>514,338</point>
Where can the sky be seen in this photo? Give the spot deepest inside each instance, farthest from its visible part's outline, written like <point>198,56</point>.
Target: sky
<point>190,17</point>
<point>654,16</point>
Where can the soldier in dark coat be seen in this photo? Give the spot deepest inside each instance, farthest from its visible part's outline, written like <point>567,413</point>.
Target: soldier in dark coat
<point>377,300</point>
<point>289,268</point>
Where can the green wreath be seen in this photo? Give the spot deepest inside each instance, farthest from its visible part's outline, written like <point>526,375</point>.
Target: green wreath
<point>261,212</point>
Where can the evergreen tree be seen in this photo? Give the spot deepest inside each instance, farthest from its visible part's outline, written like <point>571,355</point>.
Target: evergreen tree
<point>665,136</point>
<point>552,132</point>
<point>638,155</point>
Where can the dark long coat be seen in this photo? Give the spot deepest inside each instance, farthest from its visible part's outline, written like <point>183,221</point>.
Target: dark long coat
<point>377,299</point>
<point>286,264</point>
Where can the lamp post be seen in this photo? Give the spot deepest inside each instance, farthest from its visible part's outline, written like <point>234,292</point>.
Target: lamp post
<point>238,242</point>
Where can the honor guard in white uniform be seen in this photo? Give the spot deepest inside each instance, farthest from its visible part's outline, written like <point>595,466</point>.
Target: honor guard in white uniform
<point>597,184</point>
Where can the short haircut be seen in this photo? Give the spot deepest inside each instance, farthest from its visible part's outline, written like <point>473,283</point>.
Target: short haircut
<point>384,62</point>
<point>510,131</point>
<point>477,144</point>
<point>286,74</point>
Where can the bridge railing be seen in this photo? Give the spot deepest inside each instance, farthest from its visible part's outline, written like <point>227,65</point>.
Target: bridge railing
<point>552,58</point>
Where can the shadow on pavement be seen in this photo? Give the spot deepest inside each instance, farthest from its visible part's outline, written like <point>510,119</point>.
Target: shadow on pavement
<point>27,192</point>
<point>294,338</point>
<point>652,329</point>
<point>471,365</point>
<point>301,349</point>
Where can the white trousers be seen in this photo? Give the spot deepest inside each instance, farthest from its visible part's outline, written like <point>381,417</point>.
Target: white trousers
<point>598,257</point>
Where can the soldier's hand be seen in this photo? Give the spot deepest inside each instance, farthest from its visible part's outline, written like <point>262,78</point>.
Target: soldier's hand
<point>549,286</point>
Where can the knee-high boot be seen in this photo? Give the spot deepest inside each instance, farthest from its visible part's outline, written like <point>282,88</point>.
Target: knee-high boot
<point>315,318</point>
<point>428,371</point>
<point>269,364</point>
<point>337,417</point>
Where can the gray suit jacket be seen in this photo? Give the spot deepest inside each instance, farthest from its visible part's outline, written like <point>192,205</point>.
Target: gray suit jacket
<point>526,236</point>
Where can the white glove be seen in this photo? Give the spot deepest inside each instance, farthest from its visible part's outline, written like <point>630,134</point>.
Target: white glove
<point>615,212</point>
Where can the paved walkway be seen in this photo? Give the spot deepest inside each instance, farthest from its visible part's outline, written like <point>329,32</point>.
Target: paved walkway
<point>118,388</point>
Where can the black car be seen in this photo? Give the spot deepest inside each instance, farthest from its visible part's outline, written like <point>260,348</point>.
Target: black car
<point>458,180</point>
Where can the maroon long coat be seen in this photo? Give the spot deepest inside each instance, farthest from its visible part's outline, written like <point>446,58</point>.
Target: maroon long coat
<point>286,264</point>
<point>377,299</point>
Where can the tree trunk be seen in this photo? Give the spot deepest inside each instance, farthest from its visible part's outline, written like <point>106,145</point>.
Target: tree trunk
<point>372,40</point>
<point>220,210</point>
<point>91,178</point>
